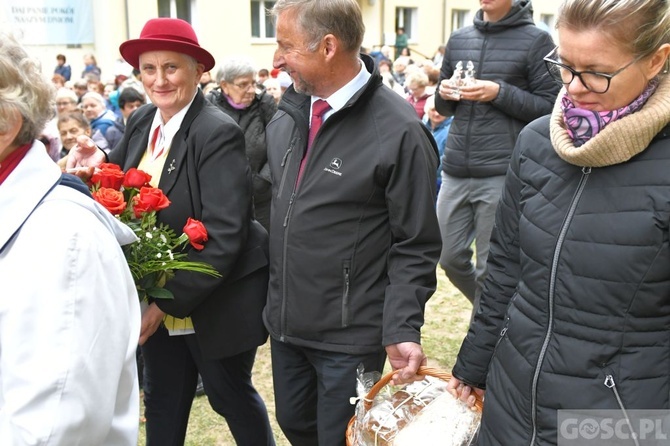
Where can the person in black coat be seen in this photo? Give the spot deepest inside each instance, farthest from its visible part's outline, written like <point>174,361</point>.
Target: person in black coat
<point>213,326</point>
<point>575,312</point>
<point>354,241</point>
<point>238,97</point>
<point>507,88</point>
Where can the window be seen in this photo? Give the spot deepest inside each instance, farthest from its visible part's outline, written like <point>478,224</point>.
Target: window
<point>460,18</point>
<point>180,9</point>
<point>406,18</point>
<point>262,26</point>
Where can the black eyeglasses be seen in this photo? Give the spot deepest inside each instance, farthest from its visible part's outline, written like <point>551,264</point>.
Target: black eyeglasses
<point>593,81</point>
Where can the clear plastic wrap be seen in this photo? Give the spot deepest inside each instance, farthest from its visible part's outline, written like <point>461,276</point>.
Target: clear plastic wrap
<point>421,413</point>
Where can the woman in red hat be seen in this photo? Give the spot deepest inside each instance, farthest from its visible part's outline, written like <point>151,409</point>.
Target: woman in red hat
<point>195,154</point>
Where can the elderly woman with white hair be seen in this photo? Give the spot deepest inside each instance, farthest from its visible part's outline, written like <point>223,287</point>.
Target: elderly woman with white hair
<point>237,96</point>
<point>416,83</point>
<point>69,311</point>
<point>95,109</point>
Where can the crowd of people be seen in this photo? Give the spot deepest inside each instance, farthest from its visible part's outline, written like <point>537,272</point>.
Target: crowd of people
<point>331,188</point>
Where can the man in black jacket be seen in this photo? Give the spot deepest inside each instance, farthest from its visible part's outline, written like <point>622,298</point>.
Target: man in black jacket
<point>354,239</point>
<point>509,89</point>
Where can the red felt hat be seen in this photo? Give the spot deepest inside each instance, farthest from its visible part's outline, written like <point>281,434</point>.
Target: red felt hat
<point>166,34</point>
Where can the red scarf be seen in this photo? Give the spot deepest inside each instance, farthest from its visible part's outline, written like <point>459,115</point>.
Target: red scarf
<point>12,160</point>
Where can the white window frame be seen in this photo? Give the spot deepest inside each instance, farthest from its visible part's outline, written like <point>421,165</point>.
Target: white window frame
<point>192,10</point>
<point>409,15</point>
<point>263,5</point>
<point>460,18</point>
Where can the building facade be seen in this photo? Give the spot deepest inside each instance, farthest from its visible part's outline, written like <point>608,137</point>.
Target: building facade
<point>224,27</point>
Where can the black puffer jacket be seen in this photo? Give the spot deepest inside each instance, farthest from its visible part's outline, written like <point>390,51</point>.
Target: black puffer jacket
<point>253,121</point>
<point>508,52</point>
<point>578,294</point>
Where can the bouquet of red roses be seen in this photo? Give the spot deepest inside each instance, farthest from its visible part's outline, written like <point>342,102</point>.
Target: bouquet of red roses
<point>158,253</point>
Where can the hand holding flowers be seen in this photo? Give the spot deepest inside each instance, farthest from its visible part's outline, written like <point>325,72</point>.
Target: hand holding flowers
<point>158,253</point>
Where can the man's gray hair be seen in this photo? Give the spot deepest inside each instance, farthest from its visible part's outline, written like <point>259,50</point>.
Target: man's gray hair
<point>316,18</point>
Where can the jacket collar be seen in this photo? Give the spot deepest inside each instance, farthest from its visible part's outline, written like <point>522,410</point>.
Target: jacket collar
<point>297,104</point>
<point>24,189</point>
<point>520,14</point>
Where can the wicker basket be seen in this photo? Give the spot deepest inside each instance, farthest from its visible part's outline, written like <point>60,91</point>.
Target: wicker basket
<point>367,402</point>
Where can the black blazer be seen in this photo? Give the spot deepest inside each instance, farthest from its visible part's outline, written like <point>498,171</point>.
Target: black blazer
<point>207,177</point>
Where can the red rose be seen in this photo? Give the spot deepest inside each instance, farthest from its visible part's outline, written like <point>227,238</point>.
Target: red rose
<point>109,166</point>
<point>136,178</point>
<point>111,199</point>
<point>108,175</point>
<point>197,233</point>
<point>149,199</point>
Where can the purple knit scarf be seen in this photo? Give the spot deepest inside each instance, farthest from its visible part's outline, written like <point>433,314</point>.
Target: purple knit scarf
<point>234,104</point>
<point>582,124</point>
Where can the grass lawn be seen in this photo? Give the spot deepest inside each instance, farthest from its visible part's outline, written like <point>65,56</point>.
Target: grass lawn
<point>447,316</point>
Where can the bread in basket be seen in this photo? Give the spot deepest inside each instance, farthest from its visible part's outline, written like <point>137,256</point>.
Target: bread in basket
<point>421,413</point>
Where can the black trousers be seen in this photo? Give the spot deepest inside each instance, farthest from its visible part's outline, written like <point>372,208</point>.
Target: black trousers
<point>312,392</point>
<point>171,367</point>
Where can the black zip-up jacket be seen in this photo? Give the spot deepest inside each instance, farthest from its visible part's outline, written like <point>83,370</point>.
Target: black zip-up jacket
<point>575,312</point>
<point>510,53</point>
<point>354,249</point>
<point>253,120</point>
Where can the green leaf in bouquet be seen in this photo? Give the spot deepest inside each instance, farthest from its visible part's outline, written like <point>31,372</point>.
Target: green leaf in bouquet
<point>146,281</point>
<point>159,293</point>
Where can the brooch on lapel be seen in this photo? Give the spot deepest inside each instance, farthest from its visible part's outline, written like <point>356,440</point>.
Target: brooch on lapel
<point>171,168</point>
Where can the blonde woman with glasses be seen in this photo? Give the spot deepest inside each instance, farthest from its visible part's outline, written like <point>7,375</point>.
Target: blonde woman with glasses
<point>575,313</point>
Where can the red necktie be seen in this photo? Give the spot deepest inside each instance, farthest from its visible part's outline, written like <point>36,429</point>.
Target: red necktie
<point>319,108</point>
<point>156,143</point>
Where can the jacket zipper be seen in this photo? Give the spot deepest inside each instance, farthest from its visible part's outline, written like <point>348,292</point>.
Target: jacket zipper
<point>468,136</point>
<point>345,296</point>
<point>610,384</point>
<point>502,334</point>
<point>284,162</point>
<point>552,288</point>
<point>505,327</point>
<point>284,274</point>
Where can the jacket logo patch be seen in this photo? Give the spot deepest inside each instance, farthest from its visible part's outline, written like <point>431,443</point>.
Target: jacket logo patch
<point>334,167</point>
